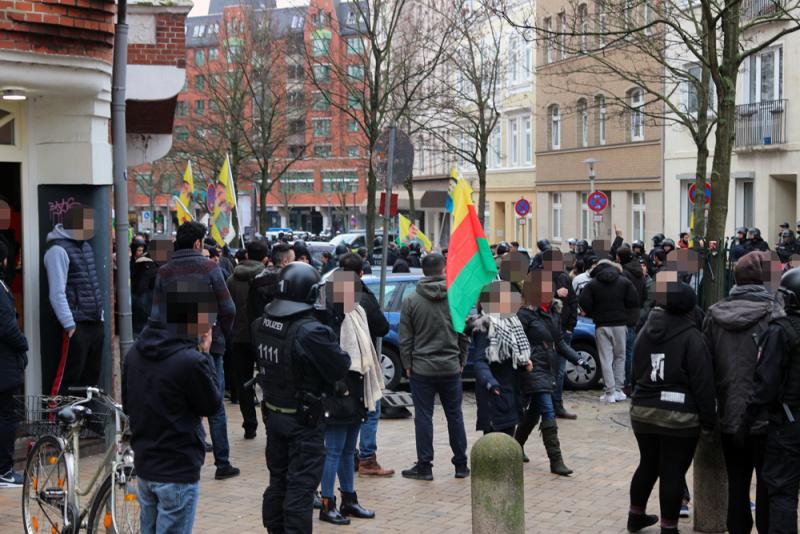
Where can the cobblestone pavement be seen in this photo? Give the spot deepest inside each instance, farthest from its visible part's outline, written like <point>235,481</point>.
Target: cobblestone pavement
<point>598,446</point>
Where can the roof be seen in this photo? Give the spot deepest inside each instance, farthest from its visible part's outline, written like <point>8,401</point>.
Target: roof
<point>216,7</point>
<point>348,15</point>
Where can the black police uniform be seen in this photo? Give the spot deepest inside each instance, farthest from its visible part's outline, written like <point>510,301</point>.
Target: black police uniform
<point>777,389</point>
<point>299,359</point>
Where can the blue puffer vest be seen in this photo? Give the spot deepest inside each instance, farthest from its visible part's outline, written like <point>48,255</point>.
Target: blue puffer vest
<point>83,289</point>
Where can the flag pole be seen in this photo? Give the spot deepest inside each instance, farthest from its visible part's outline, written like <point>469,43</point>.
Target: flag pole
<point>387,215</point>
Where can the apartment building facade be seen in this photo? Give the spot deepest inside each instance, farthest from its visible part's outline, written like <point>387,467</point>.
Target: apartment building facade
<point>583,118</point>
<point>766,158</point>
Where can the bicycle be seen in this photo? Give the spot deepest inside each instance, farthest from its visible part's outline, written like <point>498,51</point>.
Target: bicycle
<point>51,492</point>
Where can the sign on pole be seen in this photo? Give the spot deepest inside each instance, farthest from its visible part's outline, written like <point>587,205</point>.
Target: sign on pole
<point>393,208</point>
<point>693,193</point>
<point>597,201</point>
<point>522,207</point>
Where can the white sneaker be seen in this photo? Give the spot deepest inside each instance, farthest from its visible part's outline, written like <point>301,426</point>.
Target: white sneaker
<point>619,396</point>
<point>608,398</point>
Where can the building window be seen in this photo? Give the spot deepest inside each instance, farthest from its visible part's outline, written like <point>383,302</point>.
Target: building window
<point>322,151</point>
<point>320,45</point>
<point>353,101</point>
<point>320,101</point>
<point>200,107</point>
<point>296,151</point>
<point>555,206</point>
<point>562,34</point>
<point>745,203</point>
<point>355,46</point>
<point>339,181</point>
<point>351,18</point>
<point>322,73</point>
<point>295,98</point>
<point>513,59</point>
<point>199,57</point>
<point>294,72</point>
<point>199,82</point>
<point>322,127</point>
<point>213,106</point>
<point>582,123</point>
<point>213,54</point>
<point>636,102</point>
<point>764,77</point>
<point>495,161</point>
<point>548,40</point>
<point>297,22</point>
<point>181,133</point>
<point>583,26</point>
<point>352,125</point>
<point>297,126</point>
<point>600,13</point>
<point>638,208</point>
<point>586,217</point>
<point>555,127</point>
<point>353,152</point>
<point>527,138</point>
<point>355,72</point>
<point>600,107</point>
<point>513,142</point>
<point>181,109</point>
<point>297,182</point>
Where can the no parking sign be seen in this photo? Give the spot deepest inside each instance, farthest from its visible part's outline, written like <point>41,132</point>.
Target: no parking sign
<point>597,201</point>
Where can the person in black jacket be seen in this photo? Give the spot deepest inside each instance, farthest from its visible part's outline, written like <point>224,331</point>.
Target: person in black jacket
<point>143,280</point>
<point>401,263</point>
<point>609,299</point>
<point>632,270</point>
<point>169,383</point>
<point>13,360</point>
<point>264,286</point>
<point>673,400</point>
<point>541,322</point>
<point>500,358</point>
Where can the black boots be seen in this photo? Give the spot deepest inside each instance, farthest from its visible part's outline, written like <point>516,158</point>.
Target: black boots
<point>562,412</point>
<point>549,430</point>
<point>637,522</point>
<point>350,507</point>
<point>330,514</point>
<point>419,472</point>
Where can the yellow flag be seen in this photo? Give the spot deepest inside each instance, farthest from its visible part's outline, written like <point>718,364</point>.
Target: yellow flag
<point>184,215</point>
<point>410,233</point>
<point>185,195</point>
<point>222,229</point>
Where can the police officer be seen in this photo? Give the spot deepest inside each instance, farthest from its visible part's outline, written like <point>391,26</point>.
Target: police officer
<point>777,390</point>
<point>787,247</point>
<point>537,262</point>
<point>755,241</point>
<point>299,360</point>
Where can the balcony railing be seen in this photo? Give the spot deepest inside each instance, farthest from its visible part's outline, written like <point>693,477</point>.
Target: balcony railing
<point>751,9</point>
<point>761,123</point>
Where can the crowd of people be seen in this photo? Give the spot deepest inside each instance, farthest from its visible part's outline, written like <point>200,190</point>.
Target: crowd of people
<point>265,315</point>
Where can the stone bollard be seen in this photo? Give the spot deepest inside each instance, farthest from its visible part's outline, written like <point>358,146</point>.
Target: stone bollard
<point>498,488</point>
<point>710,486</point>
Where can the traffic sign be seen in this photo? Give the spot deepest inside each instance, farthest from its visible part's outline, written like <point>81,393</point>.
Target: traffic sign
<point>597,201</point>
<point>146,215</point>
<point>597,218</point>
<point>693,193</point>
<point>522,207</point>
<point>393,207</point>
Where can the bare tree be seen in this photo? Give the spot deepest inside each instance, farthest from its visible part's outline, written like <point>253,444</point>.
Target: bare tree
<point>390,44</point>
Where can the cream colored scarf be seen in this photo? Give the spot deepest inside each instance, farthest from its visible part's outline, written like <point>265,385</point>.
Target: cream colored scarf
<point>356,341</point>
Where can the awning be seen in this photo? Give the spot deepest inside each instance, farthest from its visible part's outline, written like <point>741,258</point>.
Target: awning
<point>433,200</point>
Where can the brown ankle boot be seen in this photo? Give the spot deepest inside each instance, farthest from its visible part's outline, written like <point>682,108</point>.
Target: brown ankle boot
<point>369,467</point>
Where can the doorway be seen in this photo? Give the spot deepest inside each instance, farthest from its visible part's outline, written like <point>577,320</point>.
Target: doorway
<point>11,229</point>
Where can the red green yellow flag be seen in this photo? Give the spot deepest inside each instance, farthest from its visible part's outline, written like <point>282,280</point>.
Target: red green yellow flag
<point>470,264</point>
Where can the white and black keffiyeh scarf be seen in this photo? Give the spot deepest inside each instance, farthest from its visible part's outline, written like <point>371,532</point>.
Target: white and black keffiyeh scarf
<point>507,339</point>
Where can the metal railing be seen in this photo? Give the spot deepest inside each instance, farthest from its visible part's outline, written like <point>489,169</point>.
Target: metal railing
<point>751,9</point>
<point>761,123</point>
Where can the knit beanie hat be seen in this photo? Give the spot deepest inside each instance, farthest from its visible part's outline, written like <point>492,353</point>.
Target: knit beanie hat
<point>680,299</point>
<point>752,268</point>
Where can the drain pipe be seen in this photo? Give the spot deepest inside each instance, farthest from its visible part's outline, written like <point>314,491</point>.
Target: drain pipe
<point>118,137</point>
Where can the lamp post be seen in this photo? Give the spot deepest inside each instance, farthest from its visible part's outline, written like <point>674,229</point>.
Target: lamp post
<point>590,163</point>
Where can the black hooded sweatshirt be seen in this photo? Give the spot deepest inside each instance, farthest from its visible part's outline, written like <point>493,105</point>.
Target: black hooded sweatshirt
<point>609,298</point>
<point>673,376</point>
<point>167,387</point>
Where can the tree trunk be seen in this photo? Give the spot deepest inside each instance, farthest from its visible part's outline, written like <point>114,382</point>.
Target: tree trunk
<point>372,187</point>
<point>412,212</point>
<point>701,170</point>
<point>263,191</point>
<point>482,192</point>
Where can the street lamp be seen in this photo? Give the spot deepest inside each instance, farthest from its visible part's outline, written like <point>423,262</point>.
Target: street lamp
<point>590,163</point>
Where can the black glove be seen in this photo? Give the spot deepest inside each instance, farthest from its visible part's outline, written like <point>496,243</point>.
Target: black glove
<point>496,390</point>
<point>585,365</point>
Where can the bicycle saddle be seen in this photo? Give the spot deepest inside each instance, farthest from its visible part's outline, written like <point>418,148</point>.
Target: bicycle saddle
<point>72,414</point>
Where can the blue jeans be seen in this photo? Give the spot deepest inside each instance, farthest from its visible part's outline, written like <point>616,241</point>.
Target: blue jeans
<point>368,441</point>
<point>218,423</point>
<point>561,371</point>
<point>543,403</point>
<point>340,448</point>
<point>167,507</point>
<point>629,341</point>
<point>450,390</point>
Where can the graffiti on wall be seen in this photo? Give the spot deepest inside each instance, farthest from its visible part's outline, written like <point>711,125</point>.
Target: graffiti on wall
<point>58,208</point>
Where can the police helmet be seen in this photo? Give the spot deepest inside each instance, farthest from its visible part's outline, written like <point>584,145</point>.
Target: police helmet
<point>658,239</point>
<point>638,244</point>
<point>571,241</point>
<point>543,244</point>
<point>787,233</point>
<point>742,230</point>
<point>668,243</point>
<point>341,249</point>
<point>754,233</point>
<point>790,289</point>
<point>298,287</point>
<point>378,242</point>
<point>581,246</point>
<point>502,248</point>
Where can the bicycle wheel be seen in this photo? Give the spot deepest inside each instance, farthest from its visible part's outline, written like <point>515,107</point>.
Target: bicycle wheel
<point>45,501</point>
<point>126,506</point>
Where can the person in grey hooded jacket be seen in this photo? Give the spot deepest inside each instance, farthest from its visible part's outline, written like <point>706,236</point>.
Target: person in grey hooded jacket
<point>731,329</point>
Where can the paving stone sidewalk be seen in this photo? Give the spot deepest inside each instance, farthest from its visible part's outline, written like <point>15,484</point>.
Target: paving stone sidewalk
<point>598,446</point>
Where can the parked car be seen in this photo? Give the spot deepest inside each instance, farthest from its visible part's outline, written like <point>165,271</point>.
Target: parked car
<point>357,239</point>
<point>399,286</point>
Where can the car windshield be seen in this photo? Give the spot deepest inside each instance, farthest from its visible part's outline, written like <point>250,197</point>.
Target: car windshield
<point>344,239</point>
